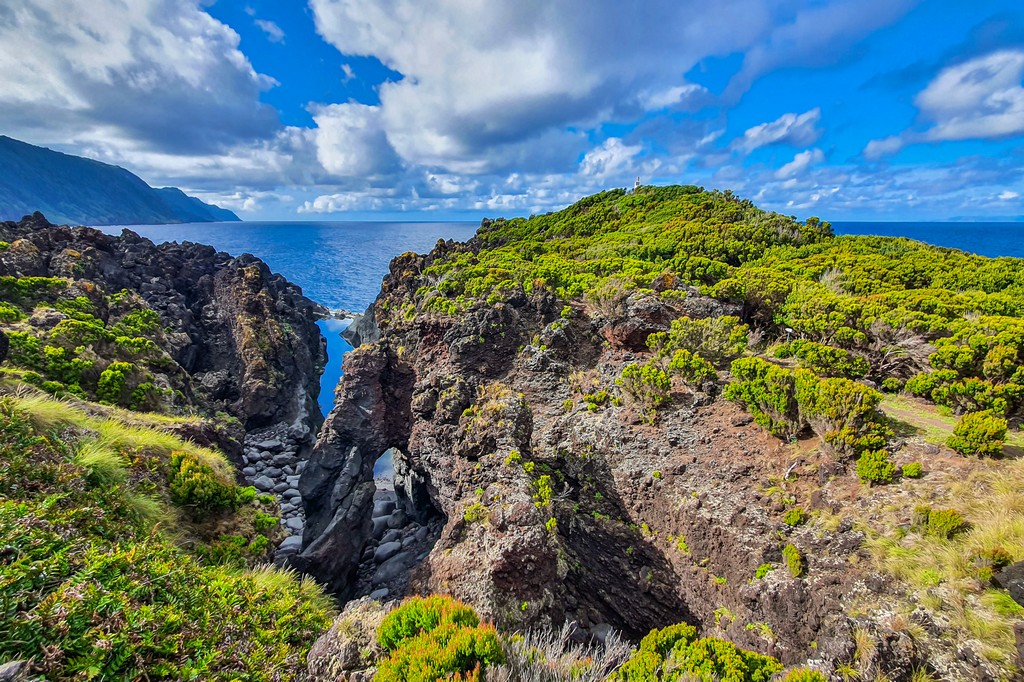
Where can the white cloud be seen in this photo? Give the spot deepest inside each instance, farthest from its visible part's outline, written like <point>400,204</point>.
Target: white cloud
<point>1008,195</point>
<point>160,73</point>
<point>980,98</point>
<point>797,130</point>
<point>481,79</point>
<point>350,140</point>
<point>800,163</point>
<point>876,149</point>
<point>611,159</point>
<point>273,31</point>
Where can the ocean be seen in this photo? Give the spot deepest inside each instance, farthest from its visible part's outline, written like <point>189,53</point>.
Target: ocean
<point>341,264</point>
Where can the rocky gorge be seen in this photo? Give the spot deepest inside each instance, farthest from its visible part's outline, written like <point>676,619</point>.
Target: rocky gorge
<point>564,490</point>
<point>650,409</point>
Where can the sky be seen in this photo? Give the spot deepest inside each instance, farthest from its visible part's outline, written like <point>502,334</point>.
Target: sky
<point>460,109</point>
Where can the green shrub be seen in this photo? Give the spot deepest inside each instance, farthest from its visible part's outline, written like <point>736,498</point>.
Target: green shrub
<point>979,433</point>
<point>674,653</point>
<point>715,339</point>
<point>423,614</point>
<point>763,570</point>
<point>794,560</point>
<point>435,638</point>
<point>195,486</point>
<point>912,470</point>
<point>825,361</point>
<point>769,392</point>
<point>794,517</point>
<point>892,384</point>
<point>691,368</point>
<point>112,382</point>
<point>647,384</point>
<point>9,313</point>
<point>940,523</point>
<point>874,466</point>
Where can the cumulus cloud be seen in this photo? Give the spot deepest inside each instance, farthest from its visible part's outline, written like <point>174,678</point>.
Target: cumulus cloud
<point>980,98</point>
<point>482,78</point>
<point>797,130</point>
<point>800,163</point>
<point>610,159</point>
<point>350,140</point>
<point>159,73</point>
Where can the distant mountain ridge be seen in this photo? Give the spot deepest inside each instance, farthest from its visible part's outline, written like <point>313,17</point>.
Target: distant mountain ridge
<point>80,191</point>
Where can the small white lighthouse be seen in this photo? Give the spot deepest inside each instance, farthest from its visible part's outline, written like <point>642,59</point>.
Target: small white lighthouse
<point>636,185</point>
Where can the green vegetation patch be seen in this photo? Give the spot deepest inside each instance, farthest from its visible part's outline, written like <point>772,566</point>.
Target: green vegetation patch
<point>105,576</point>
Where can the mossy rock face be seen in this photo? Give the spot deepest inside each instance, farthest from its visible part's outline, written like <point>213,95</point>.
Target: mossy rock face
<point>120,327</point>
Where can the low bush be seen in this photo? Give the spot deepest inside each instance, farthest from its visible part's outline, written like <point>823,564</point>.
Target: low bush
<point>769,392</point>
<point>912,470</point>
<point>675,653</point>
<point>691,368</point>
<point>197,487</point>
<point>979,433</point>
<point>794,517</point>
<point>939,523</point>
<point>435,638</point>
<point>874,466</point>
<point>825,361</point>
<point>716,339</point>
<point>794,560</point>
<point>647,384</point>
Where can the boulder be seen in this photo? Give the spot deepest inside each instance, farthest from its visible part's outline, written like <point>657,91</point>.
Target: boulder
<point>264,483</point>
<point>383,508</point>
<point>398,519</point>
<point>348,649</point>
<point>270,444</point>
<point>1011,579</point>
<point>386,550</point>
<point>290,545</point>
<point>392,568</point>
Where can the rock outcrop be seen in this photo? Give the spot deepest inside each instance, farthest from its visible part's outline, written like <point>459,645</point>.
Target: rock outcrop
<point>553,512</point>
<point>243,340</point>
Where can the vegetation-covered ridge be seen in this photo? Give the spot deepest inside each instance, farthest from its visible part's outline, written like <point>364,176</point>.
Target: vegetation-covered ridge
<point>893,369</point>
<point>130,553</point>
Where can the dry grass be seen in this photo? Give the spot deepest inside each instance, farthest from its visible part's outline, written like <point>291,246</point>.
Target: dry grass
<point>949,575</point>
<point>110,430</point>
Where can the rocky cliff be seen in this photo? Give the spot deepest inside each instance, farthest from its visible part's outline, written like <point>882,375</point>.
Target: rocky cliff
<point>551,493</point>
<point>242,339</point>
<point>170,328</point>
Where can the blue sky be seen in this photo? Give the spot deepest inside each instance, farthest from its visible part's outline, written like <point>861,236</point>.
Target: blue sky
<point>354,109</point>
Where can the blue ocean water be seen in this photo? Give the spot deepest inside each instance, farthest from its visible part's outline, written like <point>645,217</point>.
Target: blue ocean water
<point>341,264</point>
<point>338,264</point>
<point>986,239</point>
